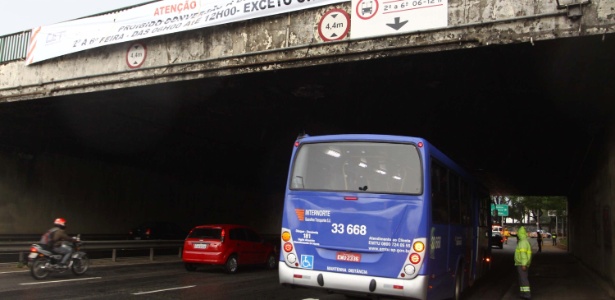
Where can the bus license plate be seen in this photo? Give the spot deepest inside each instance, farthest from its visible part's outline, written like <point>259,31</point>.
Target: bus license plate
<point>200,246</point>
<point>346,256</point>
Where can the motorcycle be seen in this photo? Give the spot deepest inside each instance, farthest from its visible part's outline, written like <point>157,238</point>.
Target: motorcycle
<point>43,261</point>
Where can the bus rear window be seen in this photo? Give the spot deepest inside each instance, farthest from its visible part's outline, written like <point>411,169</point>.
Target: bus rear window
<point>358,167</point>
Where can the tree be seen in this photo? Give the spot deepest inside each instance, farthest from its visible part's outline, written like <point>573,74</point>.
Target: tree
<point>535,208</point>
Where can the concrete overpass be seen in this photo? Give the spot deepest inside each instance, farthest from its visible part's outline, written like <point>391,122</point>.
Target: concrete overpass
<point>520,92</point>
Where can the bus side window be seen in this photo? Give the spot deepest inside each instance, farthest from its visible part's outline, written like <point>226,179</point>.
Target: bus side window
<point>466,202</point>
<point>439,189</point>
<point>454,198</point>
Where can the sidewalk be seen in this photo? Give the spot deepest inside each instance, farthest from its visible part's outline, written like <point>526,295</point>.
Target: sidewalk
<point>557,274</point>
<point>102,262</point>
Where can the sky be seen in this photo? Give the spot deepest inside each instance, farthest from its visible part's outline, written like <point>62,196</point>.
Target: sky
<point>21,15</point>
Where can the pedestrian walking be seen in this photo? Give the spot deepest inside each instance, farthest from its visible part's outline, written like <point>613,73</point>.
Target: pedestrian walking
<point>523,259</point>
<point>554,239</point>
<point>539,241</point>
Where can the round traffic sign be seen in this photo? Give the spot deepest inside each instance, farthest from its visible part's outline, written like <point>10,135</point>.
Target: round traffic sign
<point>135,56</point>
<point>334,25</point>
<point>366,9</point>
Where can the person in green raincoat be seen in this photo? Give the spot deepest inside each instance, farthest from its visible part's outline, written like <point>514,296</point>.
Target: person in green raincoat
<point>523,259</point>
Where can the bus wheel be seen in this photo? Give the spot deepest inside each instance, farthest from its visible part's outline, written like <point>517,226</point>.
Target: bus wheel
<point>458,282</point>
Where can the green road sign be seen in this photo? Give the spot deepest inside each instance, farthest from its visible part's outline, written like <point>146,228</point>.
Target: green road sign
<point>501,208</point>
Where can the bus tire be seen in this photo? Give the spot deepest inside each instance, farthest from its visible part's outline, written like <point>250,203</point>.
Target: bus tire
<point>458,283</point>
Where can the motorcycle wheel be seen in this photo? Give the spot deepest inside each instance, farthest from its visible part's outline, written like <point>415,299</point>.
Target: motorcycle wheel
<point>39,268</point>
<point>80,265</point>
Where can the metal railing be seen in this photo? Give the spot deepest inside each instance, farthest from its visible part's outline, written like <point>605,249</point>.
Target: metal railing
<point>14,46</point>
<point>22,248</point>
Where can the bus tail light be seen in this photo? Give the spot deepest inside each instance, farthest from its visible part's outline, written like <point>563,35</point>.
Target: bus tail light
<point>418,246</point>
<point>288,247</point>
<point>292,258</point>
<point>415,258</point>
<point>286,236</point>
<point>408,269</point>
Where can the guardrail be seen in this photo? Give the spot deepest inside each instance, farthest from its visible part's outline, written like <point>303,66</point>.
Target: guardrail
<point>23,248</point>
<point>85,237</point>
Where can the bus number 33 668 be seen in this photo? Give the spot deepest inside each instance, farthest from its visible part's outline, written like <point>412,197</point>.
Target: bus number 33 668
<point>355,229</point>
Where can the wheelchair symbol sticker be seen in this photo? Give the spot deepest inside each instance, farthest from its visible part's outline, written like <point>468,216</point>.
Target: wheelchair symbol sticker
<point>307,261</point>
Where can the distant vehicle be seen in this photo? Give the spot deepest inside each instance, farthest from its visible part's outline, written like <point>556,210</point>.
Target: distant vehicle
<point>496,228</point>
<point>497,240</point>
<point>544,234</point>
<point>157,231</point>
<point>227,245</point>
<point>382,216</point>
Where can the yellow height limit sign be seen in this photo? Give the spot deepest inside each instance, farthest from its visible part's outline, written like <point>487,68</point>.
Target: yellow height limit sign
<point>378,17</point>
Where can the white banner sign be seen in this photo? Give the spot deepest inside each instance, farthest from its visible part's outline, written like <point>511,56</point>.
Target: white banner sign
<point>383,17</point>
<point>150,20</point>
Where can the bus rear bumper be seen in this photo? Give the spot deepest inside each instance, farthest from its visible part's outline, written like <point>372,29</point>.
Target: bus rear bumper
<point>352,283</point>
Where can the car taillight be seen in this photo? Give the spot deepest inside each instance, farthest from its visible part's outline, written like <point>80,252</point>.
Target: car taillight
<point>148,231</point>
<point>222,234</point>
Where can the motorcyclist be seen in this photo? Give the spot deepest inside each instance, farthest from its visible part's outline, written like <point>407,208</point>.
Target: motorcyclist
<point>59,238</point>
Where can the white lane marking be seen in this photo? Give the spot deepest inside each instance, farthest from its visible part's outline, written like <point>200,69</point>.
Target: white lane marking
<point>164,290</point>
<point>57,281</point>
<point>9,272</point>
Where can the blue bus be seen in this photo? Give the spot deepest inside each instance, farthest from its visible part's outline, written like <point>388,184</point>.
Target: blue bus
<point>382,215</point>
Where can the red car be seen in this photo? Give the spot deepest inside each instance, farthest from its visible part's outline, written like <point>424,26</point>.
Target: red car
<point>227,245</point>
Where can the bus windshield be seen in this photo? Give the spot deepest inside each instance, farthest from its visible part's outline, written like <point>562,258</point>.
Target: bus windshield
<point>370,167</point>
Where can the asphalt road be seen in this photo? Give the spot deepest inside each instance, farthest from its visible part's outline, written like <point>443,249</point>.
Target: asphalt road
<point>554,275</point>
<point>151,281</point>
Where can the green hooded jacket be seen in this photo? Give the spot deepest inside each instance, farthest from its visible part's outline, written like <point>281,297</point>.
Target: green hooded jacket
<point>523,252</point>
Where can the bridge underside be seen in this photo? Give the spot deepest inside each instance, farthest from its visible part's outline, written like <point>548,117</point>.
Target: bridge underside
<point>521,116</point>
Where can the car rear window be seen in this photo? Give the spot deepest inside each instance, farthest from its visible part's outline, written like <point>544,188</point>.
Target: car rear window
<point>206,233</point>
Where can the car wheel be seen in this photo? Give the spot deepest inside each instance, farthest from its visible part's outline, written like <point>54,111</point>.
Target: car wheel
<point>231,264</point>
<point>272,261</point>
<point>190,267</point>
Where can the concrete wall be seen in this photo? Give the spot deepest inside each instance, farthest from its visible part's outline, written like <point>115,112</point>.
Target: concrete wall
<point>593,207</point>
<point>292,40</point>
<point>37,188</point>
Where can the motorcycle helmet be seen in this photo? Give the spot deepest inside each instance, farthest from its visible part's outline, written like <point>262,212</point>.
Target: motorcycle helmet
<point>60,222</point>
